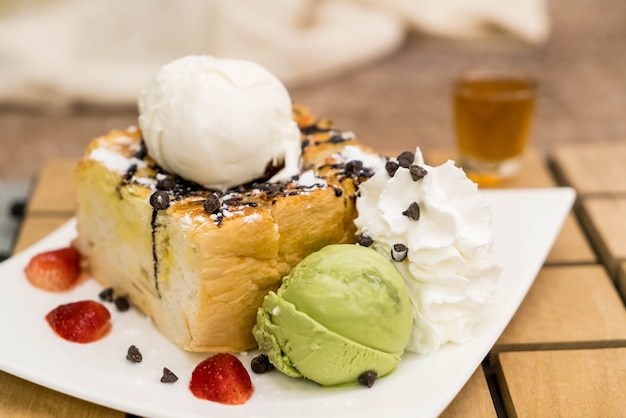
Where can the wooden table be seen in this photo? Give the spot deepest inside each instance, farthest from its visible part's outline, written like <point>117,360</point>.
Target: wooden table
<point>564,352</point>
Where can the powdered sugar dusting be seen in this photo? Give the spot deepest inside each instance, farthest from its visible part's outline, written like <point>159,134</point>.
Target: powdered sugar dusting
<point>111,160</point>
<point>309,179</point>
<point>352,153</point>
<point>252,218</point>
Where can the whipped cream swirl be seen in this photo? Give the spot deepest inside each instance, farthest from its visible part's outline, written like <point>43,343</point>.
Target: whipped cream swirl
<point>442,235</point>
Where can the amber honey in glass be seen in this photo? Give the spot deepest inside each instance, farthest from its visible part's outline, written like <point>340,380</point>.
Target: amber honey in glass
<point>493,111</point>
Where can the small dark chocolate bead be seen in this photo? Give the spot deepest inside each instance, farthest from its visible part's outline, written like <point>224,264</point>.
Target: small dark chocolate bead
<point>364,240</point>
<point>413,211</point>
<point>134,355</point>
<point>166,183</point>
<point>121,304</point>
<point>338,191</point>
<point>391,167</point>
<point>336,139</point>
<point>130,172</point>
<point>399,252</point>
<point>261,364</point>
<point>211,204</point>
<point>417,172</point>
<point>160,200</point>
<point>168,376</point>
<point>366,172</point>
<point>406,159</point>
<point>143,150</point>
<point>233,201</point>
<point>368,378</point>
<point>106,295</point>
<point>353,167</point>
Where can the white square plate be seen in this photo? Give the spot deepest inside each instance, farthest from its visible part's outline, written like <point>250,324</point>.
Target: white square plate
<point>525,223</point>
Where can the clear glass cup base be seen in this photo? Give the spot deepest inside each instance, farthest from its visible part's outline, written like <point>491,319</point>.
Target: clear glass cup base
<point>490,173</point>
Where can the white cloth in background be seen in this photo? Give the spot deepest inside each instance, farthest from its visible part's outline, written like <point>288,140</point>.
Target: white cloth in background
<point>103,51</point>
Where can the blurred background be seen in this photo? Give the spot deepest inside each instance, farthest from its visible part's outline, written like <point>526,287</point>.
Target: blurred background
<point>71,70</point>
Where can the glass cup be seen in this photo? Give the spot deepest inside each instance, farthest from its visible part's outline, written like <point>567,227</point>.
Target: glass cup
<point>493,110</point>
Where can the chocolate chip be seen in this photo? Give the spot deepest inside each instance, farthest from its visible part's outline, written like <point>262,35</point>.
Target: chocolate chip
<point>406,159</point>
<point>353,167</point>
<point>121,303</point>
<point>368,378</point>
<point>166,183</point>
<point>364,240</point>
<point>233,201</point>
<point>134,355</point>
<point>106,295</point>
<point>168,376</point>
<point>413,211</point>
<point>315,128</point>
<point>391,167</point>
<point>336,139</point>
<point>338,191</point>
<point>399,252</point>
<point>211,204</point>
<point>271,189</point>
<point>142,152</point>
<point>417,172</point>
<point>366,172</point>
<point>160,200</point>
<point>261,364</point>
<point>130,172</point>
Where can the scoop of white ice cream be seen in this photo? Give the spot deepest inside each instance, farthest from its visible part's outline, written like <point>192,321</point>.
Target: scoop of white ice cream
<point>219,122</point>
<point>446,229</point>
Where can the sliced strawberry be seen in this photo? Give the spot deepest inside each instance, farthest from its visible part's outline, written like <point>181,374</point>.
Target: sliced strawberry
<point>55,271</point>
<point>221,378</point>
<point>80,322</point>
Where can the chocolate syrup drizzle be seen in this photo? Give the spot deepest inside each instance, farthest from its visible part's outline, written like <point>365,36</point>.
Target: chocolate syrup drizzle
<point>155,258</point>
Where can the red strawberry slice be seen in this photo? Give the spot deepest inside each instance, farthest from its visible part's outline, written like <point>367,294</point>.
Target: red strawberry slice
<point>80,322</point>
<point>221,378</point>
<point>55,271</point>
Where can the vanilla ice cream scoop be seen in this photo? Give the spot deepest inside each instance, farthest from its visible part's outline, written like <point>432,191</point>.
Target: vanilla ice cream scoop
<point>219,122</point>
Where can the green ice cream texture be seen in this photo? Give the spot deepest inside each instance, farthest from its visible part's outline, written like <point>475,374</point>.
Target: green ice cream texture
<point>342,311</point>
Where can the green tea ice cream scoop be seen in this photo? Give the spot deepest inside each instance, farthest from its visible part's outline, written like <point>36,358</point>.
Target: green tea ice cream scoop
<point>342,311</point>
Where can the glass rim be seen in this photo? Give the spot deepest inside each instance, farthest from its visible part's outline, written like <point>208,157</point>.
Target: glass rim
<point>495,72</point>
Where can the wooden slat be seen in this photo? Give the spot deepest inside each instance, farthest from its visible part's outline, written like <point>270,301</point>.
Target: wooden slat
<point>564,383</point>
<point>22,399</point>
<point>621,280</point>
<point>571,245</point>
<point>592,168</point>
<point>604,218</point>
<point>474,400</point>
<point>567,307</point>
<point>35,228</point>
<point>54,189</point>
